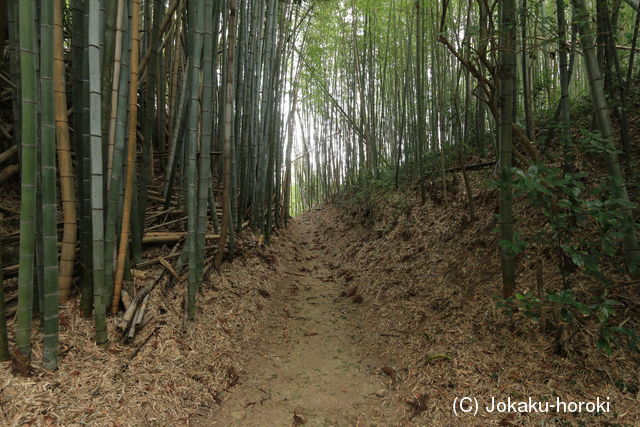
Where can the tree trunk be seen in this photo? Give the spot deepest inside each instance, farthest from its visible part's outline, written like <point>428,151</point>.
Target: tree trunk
<point>601,111</point>
<point>506,74</point>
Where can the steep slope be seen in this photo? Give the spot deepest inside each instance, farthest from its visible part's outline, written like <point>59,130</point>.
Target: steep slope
<point>428,276</point>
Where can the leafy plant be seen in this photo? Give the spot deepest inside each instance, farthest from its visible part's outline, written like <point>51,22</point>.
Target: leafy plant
<point>585,226</point>
<point>572,310</point>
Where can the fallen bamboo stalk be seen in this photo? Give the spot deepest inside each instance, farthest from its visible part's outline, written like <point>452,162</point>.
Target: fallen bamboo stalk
<point>10,210</point>
<point>7,80</point>
<point>7,154</point>
<point>169,237</point>
<point>160,199</point>
<point>125,298</point>
<point>163,212</point>
<point>15,236</point>
<point>131,314</point>
<point>10,311</point>
<point>11,270</point>
<point>173,221</point>
<point>155,227</point>
<point>146,340</point>
<point>8,172</point>
<point>139,315</point>
<point>171,256</point>
<point>5,132</point>
<point>169,268</point>
<point>476,166</point>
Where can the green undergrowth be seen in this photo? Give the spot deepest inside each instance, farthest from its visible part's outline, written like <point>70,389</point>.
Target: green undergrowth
<point>569,218</point>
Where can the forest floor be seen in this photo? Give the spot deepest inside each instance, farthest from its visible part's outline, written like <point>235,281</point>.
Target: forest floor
<point>275,343</point>
<point>279,340</point>
<point>386,317</point>
<point>308,364</point>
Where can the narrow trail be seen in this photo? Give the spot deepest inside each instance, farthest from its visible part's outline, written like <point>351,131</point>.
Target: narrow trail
<point>308,365</point>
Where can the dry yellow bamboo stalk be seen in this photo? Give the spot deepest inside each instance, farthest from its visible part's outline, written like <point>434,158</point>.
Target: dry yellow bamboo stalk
<point>65,166</point>
<point>131,154</point>
<point>170,236</point>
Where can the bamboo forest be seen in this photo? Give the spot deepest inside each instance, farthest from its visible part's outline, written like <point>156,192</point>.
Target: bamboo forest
<point>319,212</point>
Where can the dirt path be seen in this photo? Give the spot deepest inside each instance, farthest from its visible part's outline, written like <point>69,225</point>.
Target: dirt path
<point>308,365</point>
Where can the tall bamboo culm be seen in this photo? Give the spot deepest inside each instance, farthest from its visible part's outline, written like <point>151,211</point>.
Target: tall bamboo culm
<point>97,176</point>
<point>50,295</point>
<point>196,23</point>
<point>28,165</point>
<point>65,165</point>
<point>228,123</point>
<point>131,154</point>
<point>4,340</point>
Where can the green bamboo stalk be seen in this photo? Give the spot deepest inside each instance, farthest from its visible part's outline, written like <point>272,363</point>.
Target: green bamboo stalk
<point>97,186</point>
<point>603,120</point>
<point>29,113</point>
<point>119,141</point>
<point>14,64</point>
<point>114,98</point>
<point>107,51</point>
<point>507,115</point>
<point>274,140</point>
<point>161,122</point>
<point>149,131</point>
<point>246,73</point>
<point>563,66</point>
<point>257,17</point>
<point>80,94</point>
<point>228,120</point>
<point>196,14</point>
<point>204,166</point>
<point>420,101</point>
<point>249,140</point>
<point>175,142</point>
<point>48,172</point>
<point>218,6</point>
<point>38,291</point>
<point>213,211</point>
<point>237,149</point>
<point>4,341</point>
<point>174,59</point>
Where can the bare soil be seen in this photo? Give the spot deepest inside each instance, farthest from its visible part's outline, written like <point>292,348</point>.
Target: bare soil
<point>308,364</point>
